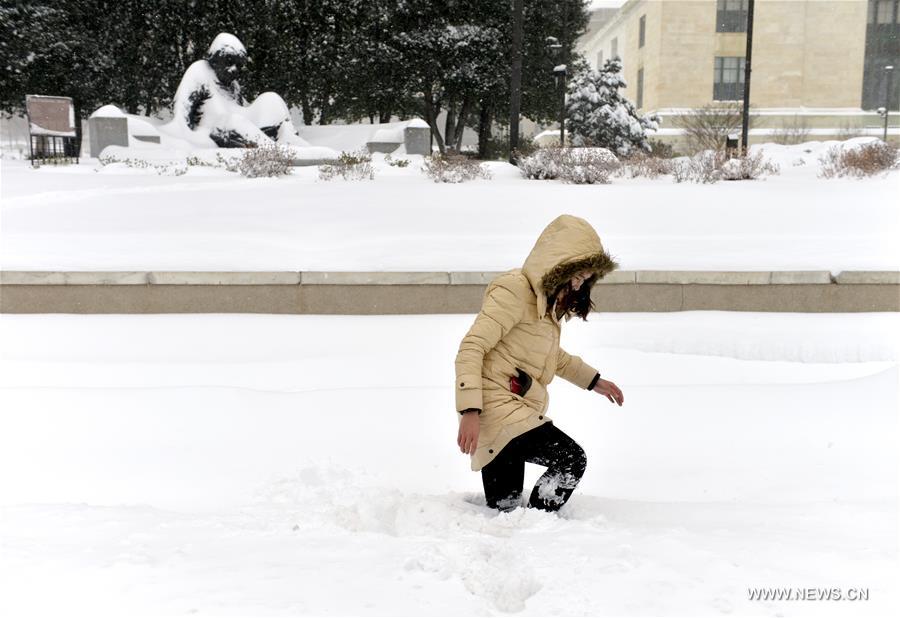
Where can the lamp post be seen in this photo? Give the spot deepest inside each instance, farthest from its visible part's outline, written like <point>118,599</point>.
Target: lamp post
<point>559,71</point>
<point>745,113</point>
<point>559,74</point>
<point>515,81</point>
<point>889,69</point>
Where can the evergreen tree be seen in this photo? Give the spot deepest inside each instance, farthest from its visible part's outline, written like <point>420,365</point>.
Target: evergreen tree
<point>597,114</point>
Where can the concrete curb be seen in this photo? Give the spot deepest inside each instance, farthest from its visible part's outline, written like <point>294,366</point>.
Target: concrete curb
<point>376,293</point>
<point>680,277</point>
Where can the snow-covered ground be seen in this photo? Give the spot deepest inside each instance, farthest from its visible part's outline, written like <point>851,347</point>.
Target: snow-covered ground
<point>256,465</point>
<point>87,217</point>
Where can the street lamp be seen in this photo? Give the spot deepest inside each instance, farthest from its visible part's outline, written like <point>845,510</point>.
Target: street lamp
<point>559,73</point>
<point>889,69</point>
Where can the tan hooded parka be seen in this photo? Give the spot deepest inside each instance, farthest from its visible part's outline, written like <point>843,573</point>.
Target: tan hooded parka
<point>516,328</point>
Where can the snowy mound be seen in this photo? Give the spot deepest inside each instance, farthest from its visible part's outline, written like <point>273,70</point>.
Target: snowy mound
<point>108,111</point>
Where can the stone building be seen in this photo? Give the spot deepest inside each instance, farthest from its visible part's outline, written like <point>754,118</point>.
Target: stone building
<point>818,66</point>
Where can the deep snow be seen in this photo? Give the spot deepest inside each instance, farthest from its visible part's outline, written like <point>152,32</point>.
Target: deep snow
<point>291,465</point>
<point>116,218</point>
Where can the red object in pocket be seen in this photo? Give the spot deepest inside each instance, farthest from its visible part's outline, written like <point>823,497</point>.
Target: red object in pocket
<point>515,386</point>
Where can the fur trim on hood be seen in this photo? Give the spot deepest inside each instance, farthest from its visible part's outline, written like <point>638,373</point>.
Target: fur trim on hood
<point>566,246</point>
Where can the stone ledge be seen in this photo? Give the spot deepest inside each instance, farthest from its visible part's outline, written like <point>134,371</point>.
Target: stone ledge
<point>472,277</point>
<point>223,278</point>
<point>39,277</point>
<point>618,277</point>
<point>712,277</point>
<point>868,276</point>
<point>786,277</point>
<point>374,278</point>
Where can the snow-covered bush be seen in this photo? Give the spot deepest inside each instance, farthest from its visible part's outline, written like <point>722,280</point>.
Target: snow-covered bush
<point>266,160</point>
<point>661,149</point>
<point>543,164</point>
<point>710,166</point>
<point>349,166</point>
<point>575,165</point>
<point>703,167</point>
<point>757,166</point>
<point>396,162</point>
<point>858,161</point>
<point>454,168</point>
<point>642,165</point>
<point>598,115</point>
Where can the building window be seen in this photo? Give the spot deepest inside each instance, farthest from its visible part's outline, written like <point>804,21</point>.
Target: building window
<point>882,49</point>
<point>614,48</point>
<point>599,59</point>
<point>642,29</point>
<point>640,89</point>
<point>728,80</point>
<point>884,13</point>
<point>731,15</point>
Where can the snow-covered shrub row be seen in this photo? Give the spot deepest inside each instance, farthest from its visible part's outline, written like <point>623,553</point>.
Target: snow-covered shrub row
<point>575,165</point>
<point>454,168</point>
<point>710,166</point>
<point>642,165</point>
<point>859,161</point>
<point>226,163</point>
<point>349,166</point>
<point>161,168</point>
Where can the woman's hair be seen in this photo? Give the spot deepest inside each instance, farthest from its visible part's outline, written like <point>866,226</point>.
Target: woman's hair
<point>578,302</point>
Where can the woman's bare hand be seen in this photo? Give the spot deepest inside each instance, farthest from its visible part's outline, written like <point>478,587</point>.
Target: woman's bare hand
<point>612,392</point>
<point>467,439</point>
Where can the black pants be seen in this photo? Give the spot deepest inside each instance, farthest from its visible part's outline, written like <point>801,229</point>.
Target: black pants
<point>546,446</point>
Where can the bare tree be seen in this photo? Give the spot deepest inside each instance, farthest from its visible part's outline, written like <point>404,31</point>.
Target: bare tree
<point>793,131</point>
<point>707,127</point>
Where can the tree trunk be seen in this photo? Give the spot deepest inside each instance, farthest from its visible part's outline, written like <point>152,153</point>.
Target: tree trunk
<point>450,126</point>
<point>307,110</point>
<point>461,123</point>
<point>431,119</point>
<point>76,105</point>
<point>484,130</point>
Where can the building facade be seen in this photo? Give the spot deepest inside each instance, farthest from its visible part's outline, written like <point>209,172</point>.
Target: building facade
<point>818,66</point>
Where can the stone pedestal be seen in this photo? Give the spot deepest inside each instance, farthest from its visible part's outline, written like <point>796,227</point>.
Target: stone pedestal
<point>417,140</point>
<point>105,132</point>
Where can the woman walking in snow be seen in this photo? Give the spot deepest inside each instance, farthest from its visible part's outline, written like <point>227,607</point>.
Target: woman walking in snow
<point>509,356</point>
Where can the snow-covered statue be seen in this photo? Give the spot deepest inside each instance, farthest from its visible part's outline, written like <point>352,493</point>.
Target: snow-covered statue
<point>209,106</point>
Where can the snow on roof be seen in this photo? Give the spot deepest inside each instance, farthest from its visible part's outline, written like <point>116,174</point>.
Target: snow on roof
<point>226,42</point>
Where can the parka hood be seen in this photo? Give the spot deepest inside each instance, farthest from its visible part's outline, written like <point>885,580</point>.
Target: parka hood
<point>566,246</point>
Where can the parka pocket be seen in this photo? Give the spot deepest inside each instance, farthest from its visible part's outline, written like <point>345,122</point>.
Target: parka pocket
<point>520,383</point>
